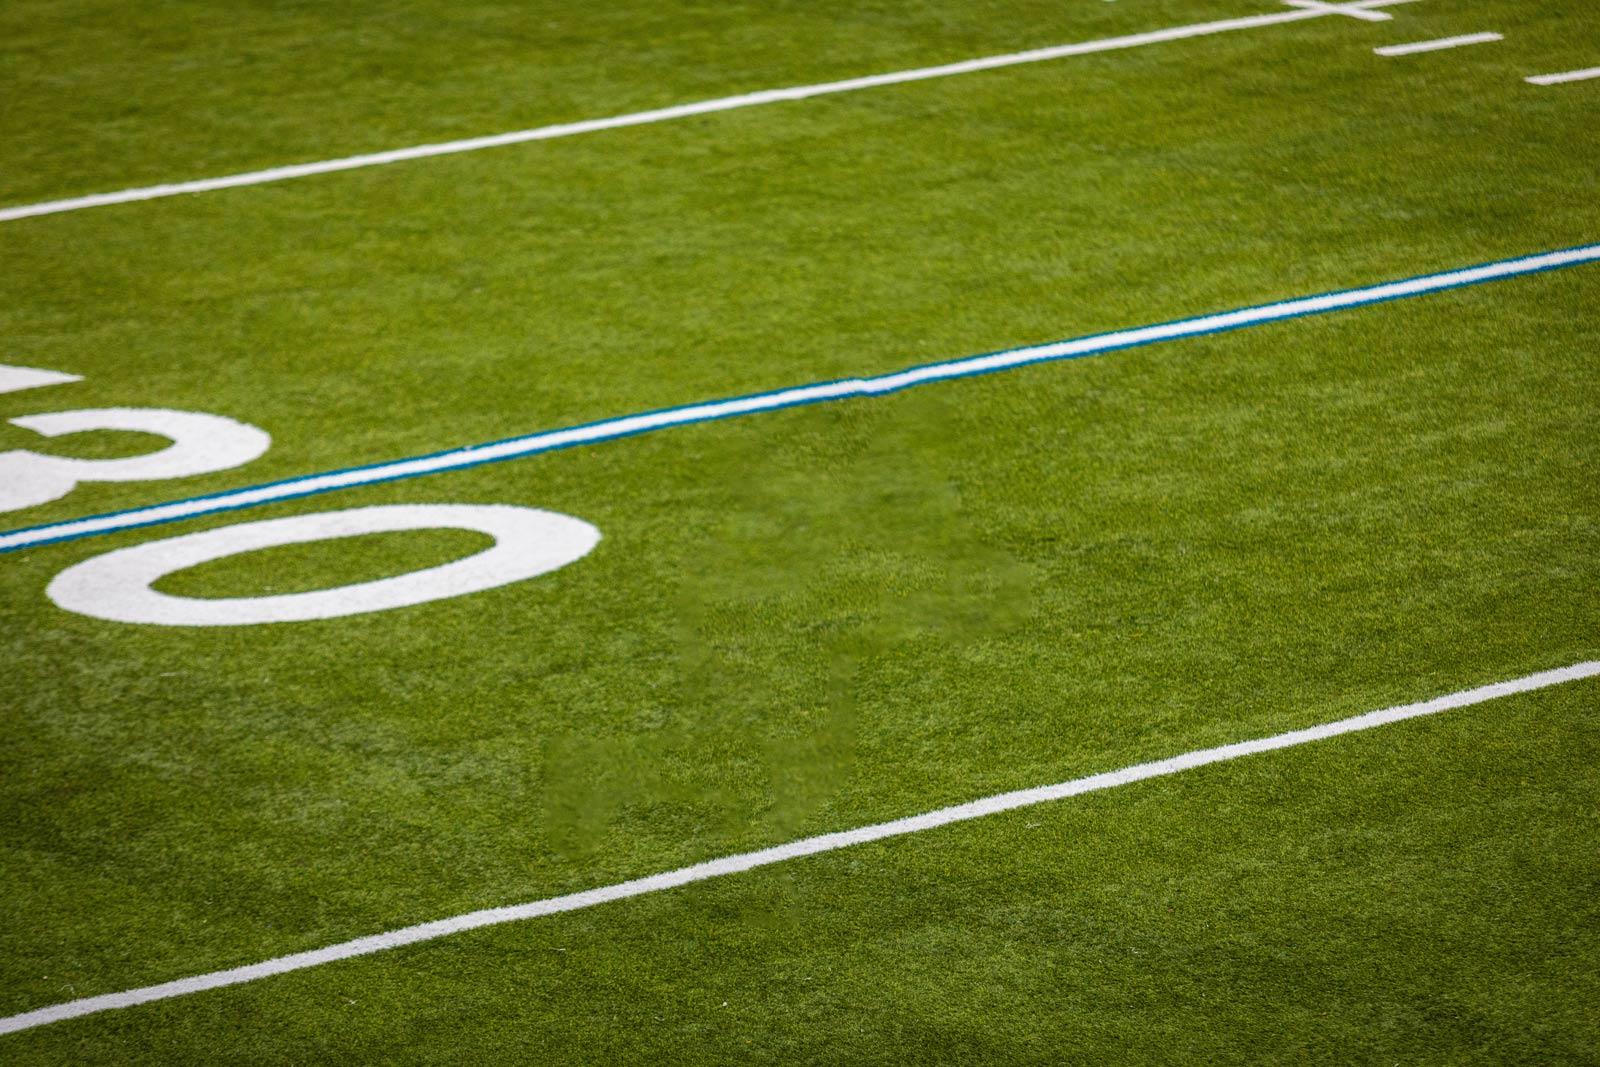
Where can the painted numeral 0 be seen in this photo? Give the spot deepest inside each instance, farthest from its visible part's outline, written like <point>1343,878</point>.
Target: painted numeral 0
<point>118,586</point>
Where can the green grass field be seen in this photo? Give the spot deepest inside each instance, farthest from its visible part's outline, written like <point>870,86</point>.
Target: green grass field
<point>820,618</point>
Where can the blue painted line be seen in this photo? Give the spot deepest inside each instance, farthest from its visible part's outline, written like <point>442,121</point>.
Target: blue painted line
<point>797,396</point>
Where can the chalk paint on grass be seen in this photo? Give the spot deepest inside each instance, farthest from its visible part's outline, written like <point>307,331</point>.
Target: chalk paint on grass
<point>1562,79</point>
<point>1438,45</point>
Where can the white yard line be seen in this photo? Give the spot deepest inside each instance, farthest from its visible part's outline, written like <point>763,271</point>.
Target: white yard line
<point>810,846</point>
<point>1569,76</point>
<point>703,107</point>
<point>1351,10</point>
<point>1437,45</point>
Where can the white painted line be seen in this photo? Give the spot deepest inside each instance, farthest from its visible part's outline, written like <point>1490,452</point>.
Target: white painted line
<point>1569,76</point>
<point>680,111</point>
<point>1355,11</point>
<point>13,379</point>
<point>810,846</point>
<point>1438,45</point>
<point>820,392</point>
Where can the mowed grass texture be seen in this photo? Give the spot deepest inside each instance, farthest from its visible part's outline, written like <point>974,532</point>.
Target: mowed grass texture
<point>1126,928</point>
<point>820,618</point>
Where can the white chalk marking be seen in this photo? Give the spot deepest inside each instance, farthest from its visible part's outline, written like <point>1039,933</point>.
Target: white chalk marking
<point>14,378</point>
<point>1355,11</point>
<point>201,444</point>
<point>1438,45</point>
<point>1569,76</point>
<point>821,392</point>
<point>703,107</point>
<point>810,846</point>
<point>117,586</point>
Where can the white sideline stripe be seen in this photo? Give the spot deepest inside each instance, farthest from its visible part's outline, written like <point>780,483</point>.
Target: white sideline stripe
<point>680,111</point>
<point>1438,45</point>
<point>810,846</point>
<point>629,425</point>
<point>1569,76</point>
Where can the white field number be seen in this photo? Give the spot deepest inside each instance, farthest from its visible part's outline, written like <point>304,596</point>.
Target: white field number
<point>200,444</point>
<point>118,586</point>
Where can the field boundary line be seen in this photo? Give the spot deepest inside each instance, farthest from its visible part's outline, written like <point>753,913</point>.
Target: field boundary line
<point>816,393</point>
<point>679,111</point>
<point>809,846</point>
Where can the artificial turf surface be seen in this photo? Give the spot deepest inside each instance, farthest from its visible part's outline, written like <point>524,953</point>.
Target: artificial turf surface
<point>820,618</point>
